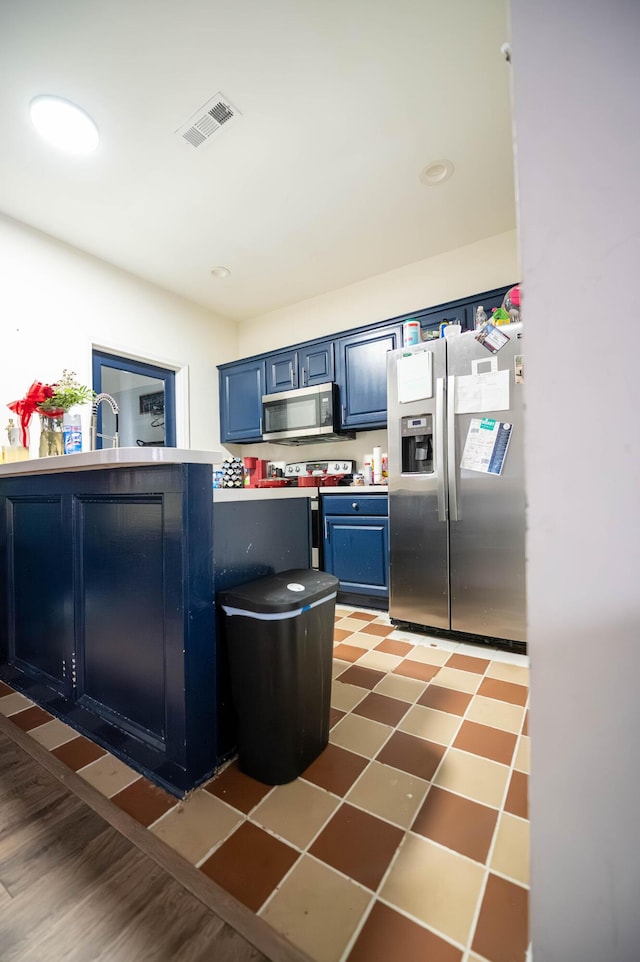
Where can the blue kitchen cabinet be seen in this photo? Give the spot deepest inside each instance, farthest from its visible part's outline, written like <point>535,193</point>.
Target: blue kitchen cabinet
<point>304,366</point>
<point>241,388</point>
<point>361,372</point>
<point>356,546</point>
<point>40,576</point>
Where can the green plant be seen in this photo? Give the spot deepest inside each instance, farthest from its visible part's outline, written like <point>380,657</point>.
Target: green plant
<point>65,394</point>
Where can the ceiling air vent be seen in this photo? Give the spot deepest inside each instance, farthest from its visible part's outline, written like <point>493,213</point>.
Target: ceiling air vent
<point>217,114</point>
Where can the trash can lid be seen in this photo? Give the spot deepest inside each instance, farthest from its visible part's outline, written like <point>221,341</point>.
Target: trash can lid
<point>285,591</point>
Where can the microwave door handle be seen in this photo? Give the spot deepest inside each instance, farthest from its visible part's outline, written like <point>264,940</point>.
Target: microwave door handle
<point>439,450</point>
<point>452,468</point>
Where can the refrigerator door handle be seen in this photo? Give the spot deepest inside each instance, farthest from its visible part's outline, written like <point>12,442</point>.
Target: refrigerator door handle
<point>440,469</point>
<point>454,510</point>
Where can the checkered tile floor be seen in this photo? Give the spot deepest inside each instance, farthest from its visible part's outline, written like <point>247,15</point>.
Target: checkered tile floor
<point>406,839</point>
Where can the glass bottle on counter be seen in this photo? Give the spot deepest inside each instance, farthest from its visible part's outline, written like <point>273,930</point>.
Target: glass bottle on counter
<point>13,450</point>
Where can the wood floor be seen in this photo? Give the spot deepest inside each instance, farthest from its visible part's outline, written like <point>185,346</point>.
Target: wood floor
<point>73,889</point>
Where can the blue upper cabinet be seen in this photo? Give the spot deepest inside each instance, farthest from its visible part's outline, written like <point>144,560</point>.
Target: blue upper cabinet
<point>316,363</point>
<point>304,366</point>
<point>282,372</point>
<point>361,369</point>
<point>241,388</point>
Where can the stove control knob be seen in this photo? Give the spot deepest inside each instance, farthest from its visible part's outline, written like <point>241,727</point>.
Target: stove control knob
<point>297,469</point>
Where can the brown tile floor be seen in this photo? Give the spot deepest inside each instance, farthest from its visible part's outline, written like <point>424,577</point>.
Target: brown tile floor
<point>407,838</point>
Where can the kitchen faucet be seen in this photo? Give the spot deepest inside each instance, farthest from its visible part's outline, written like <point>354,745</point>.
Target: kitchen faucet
<point>94,420</point>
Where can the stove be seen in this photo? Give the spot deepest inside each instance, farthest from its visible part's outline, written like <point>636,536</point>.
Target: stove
<point>319,469</point>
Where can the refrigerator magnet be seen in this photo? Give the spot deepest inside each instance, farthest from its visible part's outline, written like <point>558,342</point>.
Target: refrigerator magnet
<point>518,365</point>
<point>492,338</point>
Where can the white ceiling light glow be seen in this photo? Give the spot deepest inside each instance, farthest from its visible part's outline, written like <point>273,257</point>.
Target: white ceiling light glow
<point>63,124</point>
<point>220,272</point>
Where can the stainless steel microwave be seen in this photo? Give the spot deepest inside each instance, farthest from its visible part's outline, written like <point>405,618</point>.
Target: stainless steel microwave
<point>302,416</point>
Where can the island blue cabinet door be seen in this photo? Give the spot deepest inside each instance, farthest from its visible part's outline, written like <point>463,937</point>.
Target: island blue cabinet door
<point>39,578</point>
<point>356,551</point>
<point>122,558</point>
<point>241,389</point>
<point>362,376</point>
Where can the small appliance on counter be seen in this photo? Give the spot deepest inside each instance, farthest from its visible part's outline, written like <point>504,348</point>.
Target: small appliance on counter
<point>255,471</point>
<point>320,473</point>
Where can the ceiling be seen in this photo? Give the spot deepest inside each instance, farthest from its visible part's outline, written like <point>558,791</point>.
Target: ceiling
<point>315,186</point>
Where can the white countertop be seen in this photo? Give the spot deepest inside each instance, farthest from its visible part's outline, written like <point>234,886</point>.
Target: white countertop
<point>222,495</point>
<point>109,458</point>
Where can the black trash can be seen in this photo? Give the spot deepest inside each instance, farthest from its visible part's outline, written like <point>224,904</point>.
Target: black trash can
<point>279,637</point>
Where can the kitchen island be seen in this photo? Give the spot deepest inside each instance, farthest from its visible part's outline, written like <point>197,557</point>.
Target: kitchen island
<point>109,566</point>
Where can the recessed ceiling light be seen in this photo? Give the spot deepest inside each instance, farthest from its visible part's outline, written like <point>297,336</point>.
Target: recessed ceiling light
<point>436,172</point>
<point>63,124</point>
<point>220,272</point>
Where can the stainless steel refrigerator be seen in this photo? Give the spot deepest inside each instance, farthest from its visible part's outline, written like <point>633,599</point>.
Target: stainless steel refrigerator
<point>456,484</point>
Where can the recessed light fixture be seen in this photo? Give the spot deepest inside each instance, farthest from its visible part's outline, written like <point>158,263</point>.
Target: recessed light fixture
<point>436,172</point>
<point>220,272</point>
<point>64,124</point>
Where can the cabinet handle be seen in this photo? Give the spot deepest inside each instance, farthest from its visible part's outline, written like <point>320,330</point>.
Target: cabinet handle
<point>355,506</point>
<point>326,529</point>
<point>293,379</point>
<point>261,426</point>
<point>342,416</point>
<point>303,378</point>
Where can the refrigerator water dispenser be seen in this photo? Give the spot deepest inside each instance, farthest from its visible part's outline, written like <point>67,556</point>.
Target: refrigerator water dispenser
<point>417,444</point>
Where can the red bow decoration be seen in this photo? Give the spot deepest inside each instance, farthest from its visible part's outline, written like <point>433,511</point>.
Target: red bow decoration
<point>37,394</point>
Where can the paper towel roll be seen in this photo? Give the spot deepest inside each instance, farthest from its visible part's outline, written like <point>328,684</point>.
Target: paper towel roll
<point>377,465</point>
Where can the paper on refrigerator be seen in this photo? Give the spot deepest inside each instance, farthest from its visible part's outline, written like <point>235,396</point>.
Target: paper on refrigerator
<point>476,393</point>
<point>486,446</point>
<point>415,376</point>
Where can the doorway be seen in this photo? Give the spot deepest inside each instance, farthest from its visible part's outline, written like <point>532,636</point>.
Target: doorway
<point>145,395</point>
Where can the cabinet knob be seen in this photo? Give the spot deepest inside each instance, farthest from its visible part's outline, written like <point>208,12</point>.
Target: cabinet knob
<point>355,506</point>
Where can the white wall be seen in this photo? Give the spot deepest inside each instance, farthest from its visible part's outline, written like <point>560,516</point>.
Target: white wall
<point>577,87</point>
<point>56,301</point>
<point>463,272</point>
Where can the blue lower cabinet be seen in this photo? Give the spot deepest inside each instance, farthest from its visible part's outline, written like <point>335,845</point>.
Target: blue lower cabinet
<point>40,574</point>
<point>356,546</point>
<point>106,616</point>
